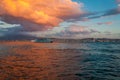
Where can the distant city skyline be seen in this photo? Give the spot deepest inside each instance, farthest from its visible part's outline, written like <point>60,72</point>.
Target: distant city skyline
<point>61,18</point>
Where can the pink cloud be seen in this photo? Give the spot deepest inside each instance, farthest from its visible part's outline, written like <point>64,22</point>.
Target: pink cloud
<point>118,0</point>
<point>76,28</point>
<point>105,23</point>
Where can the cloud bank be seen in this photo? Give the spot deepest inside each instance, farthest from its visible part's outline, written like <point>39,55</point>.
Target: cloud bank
<point>77,30</point>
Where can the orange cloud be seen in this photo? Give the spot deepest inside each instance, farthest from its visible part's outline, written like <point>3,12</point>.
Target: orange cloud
<point>44,12</point>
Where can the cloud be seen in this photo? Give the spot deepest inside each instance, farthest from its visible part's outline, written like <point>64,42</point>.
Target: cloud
<point>93,15</point>
<point>111,12</point>
<point>47,13</point>
<point>10,30</point>
<point>105,23</point>
<point>107,33</point>
<point>27,24</point>
<point>76,31</point>
<point>6,25</point>
<point>118,1</point>
<point>73,31</point>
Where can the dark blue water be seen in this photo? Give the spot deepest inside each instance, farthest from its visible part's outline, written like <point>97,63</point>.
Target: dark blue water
<point>60,61</point>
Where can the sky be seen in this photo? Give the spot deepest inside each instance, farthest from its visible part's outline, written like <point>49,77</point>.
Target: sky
<point>61,18</point>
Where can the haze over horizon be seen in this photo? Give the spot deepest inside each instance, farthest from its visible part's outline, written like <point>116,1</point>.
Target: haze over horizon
<point>60,18</point>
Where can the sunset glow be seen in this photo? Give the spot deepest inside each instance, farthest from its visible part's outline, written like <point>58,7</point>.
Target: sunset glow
<point>52,17</point>
<point>59,39</point>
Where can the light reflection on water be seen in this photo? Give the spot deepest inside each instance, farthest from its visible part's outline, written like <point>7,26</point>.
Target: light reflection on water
<point>60,61</point>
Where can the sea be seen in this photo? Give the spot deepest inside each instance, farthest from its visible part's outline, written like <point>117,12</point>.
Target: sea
<point>60,61</point>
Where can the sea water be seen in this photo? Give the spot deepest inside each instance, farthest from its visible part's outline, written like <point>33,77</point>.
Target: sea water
<point>60,61</point>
